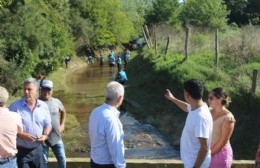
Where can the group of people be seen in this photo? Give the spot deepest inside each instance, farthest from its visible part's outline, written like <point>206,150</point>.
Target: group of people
<point>121,58</point>
<point>31,126</point>
<point>34,119</point>
<point>121,75</point>
<point>205,140</point>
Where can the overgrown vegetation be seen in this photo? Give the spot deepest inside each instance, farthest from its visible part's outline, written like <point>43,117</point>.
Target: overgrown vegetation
<point>151,74</point>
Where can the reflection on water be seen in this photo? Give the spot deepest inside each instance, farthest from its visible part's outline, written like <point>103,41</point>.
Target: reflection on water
<point>87,88</point>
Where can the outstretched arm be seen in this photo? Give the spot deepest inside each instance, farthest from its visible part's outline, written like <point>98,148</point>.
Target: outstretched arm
<point>181,104</point>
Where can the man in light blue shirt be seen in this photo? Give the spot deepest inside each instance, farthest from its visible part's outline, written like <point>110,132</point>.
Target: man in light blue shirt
<point>106,131</point>
<point>36,122</point>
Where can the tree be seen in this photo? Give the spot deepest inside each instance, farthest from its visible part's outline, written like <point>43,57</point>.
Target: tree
<point>163,11</point>
<point>110,22</point>
<point>237,11</point>
<point>37,37</point>
<point>252,11</point>
<point>205,13</point>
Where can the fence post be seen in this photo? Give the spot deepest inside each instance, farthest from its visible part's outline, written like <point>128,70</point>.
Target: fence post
<point>148,44</point>
<point>216,49</point>
<point>167,45</point>
<point>155,40</point>
<point>254,81</point>
<point>186,43</point>
<point>148,35</point>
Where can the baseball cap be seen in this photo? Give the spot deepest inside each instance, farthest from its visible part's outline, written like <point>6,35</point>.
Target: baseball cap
<point>47,84</point>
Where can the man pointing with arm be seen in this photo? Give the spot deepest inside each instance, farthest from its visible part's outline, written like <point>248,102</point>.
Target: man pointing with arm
<point>197,132</point>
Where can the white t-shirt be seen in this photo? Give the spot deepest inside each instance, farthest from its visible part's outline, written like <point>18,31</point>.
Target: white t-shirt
<point>198,123</point>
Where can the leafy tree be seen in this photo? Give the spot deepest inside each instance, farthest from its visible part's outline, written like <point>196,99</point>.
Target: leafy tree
<point>164,11</point>
<point>243,11</point>
<point>36,36</point>
<point>237,11</point>
<point>253,11</point>
<point>110,22</point>
<point>136,11</point>
<point>205,13</point>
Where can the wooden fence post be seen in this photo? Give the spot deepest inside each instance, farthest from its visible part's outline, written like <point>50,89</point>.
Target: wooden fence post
<point>167,45</point>
<point>186,43</point>
<point>216,49</point>
<point>148,35</point>
<point>254,81</point>
<point>155,40</point>
<point>148,44</point>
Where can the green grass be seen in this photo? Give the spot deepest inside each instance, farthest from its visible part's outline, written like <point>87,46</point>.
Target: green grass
<point>149,76</point>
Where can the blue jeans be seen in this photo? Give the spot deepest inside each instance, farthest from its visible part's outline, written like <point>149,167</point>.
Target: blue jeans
<point>11,164</point>
<point>30,158</point>
<point>59,153</point>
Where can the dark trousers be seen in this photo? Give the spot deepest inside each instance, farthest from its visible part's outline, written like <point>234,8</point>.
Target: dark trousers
<point>95,165</point>
<point>30,158</point>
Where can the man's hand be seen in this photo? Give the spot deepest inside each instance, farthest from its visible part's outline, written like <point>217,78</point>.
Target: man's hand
<point>26,136</point>
<point>168,95</point>
<point>62,127</point>
<point>42,138</point>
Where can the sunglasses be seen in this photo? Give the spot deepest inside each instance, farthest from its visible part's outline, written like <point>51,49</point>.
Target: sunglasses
<point>211,98</point>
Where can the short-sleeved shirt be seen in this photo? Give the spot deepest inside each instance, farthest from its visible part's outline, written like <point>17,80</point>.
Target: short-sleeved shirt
<point>34,122</point>
<point>9,123</point>
<point>55,106</point>
<point>217,126</point>
<point>199,124</point>
<point>122,76</point>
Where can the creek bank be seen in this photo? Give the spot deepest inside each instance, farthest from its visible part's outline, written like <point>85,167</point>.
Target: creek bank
<point>141,140</point>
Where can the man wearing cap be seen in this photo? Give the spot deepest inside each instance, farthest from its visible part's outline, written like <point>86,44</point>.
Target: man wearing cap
<point>58,123</point>
<point>36,122</point>
<point>11,124</point>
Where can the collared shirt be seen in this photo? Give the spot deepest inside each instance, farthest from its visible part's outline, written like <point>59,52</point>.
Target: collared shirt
<point>9,123</point>
<point>106,136</point>
<point>34,122</point>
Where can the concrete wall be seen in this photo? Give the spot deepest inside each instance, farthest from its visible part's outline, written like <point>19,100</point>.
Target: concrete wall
<point>143,163</point>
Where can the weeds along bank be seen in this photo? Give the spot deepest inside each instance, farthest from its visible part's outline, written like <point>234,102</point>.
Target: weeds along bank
<point>150,75</point>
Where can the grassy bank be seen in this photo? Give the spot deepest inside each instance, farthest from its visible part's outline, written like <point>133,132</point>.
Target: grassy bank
<point>149,76</point>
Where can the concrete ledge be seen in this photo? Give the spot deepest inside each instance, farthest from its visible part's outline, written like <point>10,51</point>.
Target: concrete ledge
<point>143,163</point>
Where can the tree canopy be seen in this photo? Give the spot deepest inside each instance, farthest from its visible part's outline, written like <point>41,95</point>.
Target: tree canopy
<point>205,13</point>
<point>37,35</point>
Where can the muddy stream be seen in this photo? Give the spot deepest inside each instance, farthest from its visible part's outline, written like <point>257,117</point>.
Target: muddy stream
<point>87,87</point>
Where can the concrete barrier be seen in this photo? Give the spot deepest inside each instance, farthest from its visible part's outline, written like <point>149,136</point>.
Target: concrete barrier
<point>143,163</point>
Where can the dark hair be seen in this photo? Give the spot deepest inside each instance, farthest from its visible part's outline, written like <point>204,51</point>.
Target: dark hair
<point>221,93</point>
<point>195,88</point>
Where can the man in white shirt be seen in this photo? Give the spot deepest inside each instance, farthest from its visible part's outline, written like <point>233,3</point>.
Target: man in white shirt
<point>197,133</point>
<point>106,131</point>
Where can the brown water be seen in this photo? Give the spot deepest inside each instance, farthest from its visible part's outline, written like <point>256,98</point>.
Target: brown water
<point>87,88</point>
<point>86,91</point>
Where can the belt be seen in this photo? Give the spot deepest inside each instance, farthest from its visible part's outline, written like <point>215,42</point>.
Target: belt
<point>28,149</point>
<point>6,160</point>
